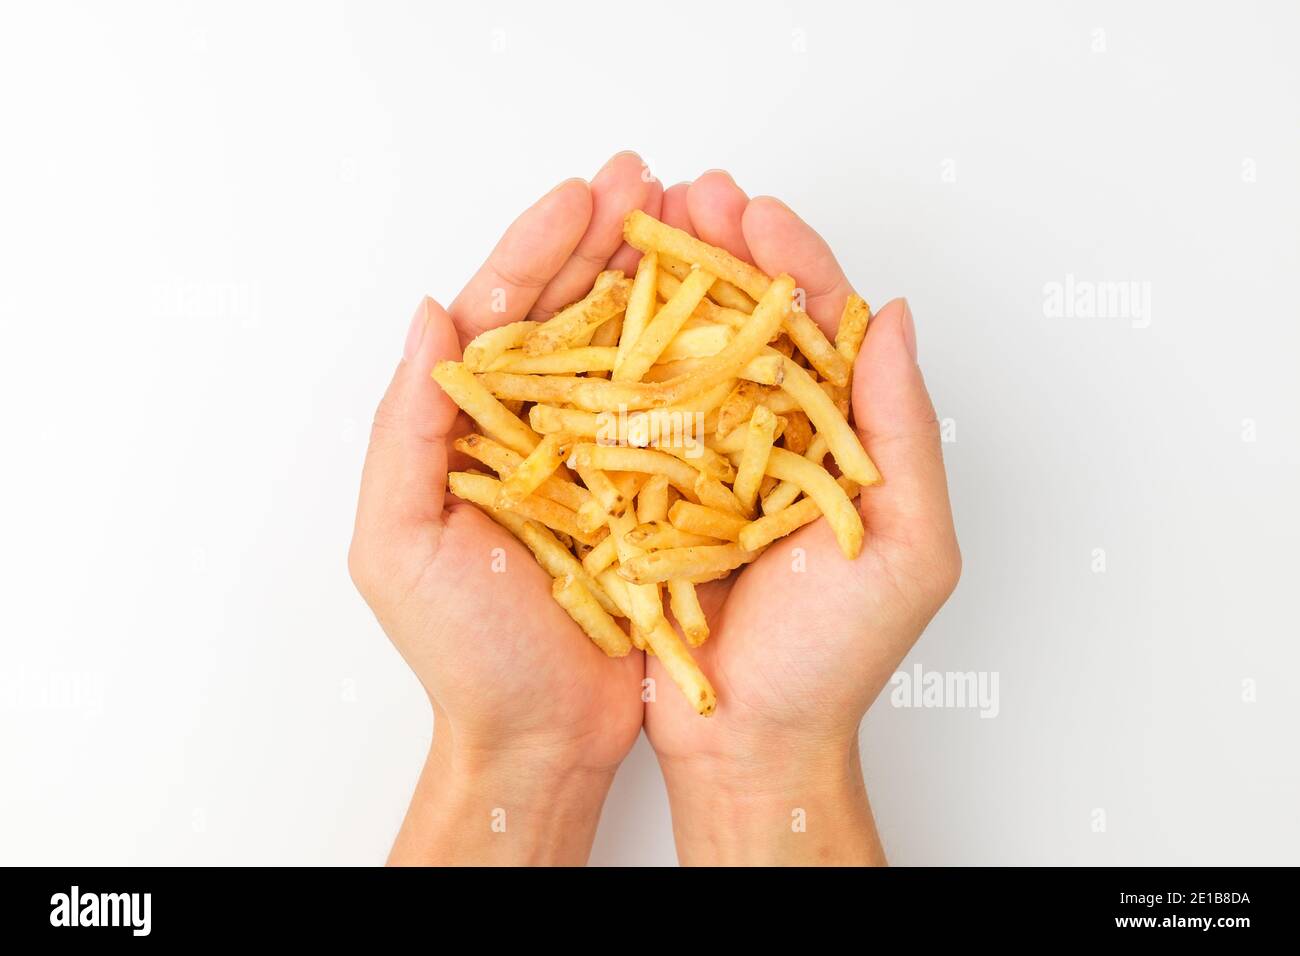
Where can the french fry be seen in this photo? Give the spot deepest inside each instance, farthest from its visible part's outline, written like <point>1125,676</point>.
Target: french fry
<point>509,386</point>
<point>714,494</point>
<point>640,305</point>
<point>821,355</point>
<point>753,460</point>
<point>798,432</point>
<point>487,346</point>
<point>724,293</point>
<point>554,557</point>
<point>685,605</point>
<point>738,406</point>
<point>574,597</point>
<point>653,567</point>
<point>675,246</point>
<point>652,500</point>
<point>482,490</point>
<point>707,310</point>
<point>785,492</point>
<point>575,323</point>
<point>478,403</point>
<point>648,460</point>
<point>504,462</point>
<point>660,535</point>
<point>700,341</point>
<point>586,358</point>
<point>681,667</point>
<point>852,329</point>
<point>540,465</point>
<point>762,532</point>
<point>840,436</point>
<point>816,483</point>
<point>654,338</point>
<point>697,519</point>
<point>644,602</point>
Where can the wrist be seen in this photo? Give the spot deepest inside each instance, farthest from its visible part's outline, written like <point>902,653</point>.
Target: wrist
<point>792,803</point>
<point>525,805</point>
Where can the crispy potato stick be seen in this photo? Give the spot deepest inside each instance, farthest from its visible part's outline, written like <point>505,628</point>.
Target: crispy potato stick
<point>601,556</point>
<point>616,588</point>
<point>734,442</point>
<point>840,436</point>
<point>701,457</point>
<point>553,556</point>
<point>572,595</point>
<point>714,494</point>
<point>759,534</point>
<point>487,346</point>
<point>540,465</point>
<point>550,419</point>
<point>853,328</point>
<point>477,402</point>
<point>647,234</point>
<point>652,501</point>
<point>821,355</point>
<point>697,519</point>
<point>753,460</point>
<point>762,369</point>
<point>482,490</point>
<point>831,500</point>
<point>685,605</point>
<point>681,667</point>
<point>655,566</point>
<point>629,485</point>
<point>663,327</point>
<point>647,460</point>
<point>723,293</point>
<point>739,405</point>
<point>798,433</point>
<point>504,462</point>
<point>578,321</point>
<point>707,310</point>
<point>660,535</point>
<point>640,305</point>
<point>698,341</point>
<point>785,492</point>
<point>644,602</point>
<point>587,358</point>
<point>509,386</point>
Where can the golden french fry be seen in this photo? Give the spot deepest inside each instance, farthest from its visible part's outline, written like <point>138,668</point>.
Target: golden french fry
<point>572,595</point>
<point>853,328</point>
<point>660,535</point>
<point>504,462</point>
<point>738,406</point>
<point>487,346</point>
<point>644,603</point>
<point>677,249</point>
<point>681,667</point>
<point>648,460</point>
<point>586,358</point>
<point>734,442</point>
<point>785,492</point>
<point>576,323</point>
<point>759,534</point>
<point>652,501</point>
<point>540,465</point>
<point>553,556</point>
<point>798,433</point>
<point>685,605</point>
<point>601,556</point>
<point>816,348</point>
<point>654,338</point>
<point>714,494</point>
<point>640,305</point>
<point>724,295</point>
<point>551,389</point>
<point>816,482</point>
<point>551,419</point>
<point>753,460</point>
<point>656,566</point>
<point>478,403</point>
<point>697,519</point>
<point>482,490</point>
<point>707,310</point>
<point>840,436</point>
<point>700,341</point>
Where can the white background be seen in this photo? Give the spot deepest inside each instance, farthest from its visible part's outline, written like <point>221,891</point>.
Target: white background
<point>217,219</point>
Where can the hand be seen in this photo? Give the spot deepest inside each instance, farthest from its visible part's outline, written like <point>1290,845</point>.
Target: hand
<point>530,717</point>
<point>803,640</point>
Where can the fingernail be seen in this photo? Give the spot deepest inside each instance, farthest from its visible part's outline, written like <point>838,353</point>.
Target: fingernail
<point>909,330</point>
<point>720,171</point>
<point>571,179</point>
<point>415,334</point>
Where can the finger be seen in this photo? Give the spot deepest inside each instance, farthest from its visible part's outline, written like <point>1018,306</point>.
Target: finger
<point>782,242</point>
<point>402,484</point>
<point>535,247</point>
<point>616,190</point>
<point>716,205</point>
<point>897,424</point>
<point>673,208</point>
<point>626,258</point>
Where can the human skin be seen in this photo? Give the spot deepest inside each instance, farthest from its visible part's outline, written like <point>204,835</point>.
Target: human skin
<point>531,720</point>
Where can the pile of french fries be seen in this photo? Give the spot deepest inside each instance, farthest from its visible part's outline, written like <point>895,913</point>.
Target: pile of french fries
<point>660,433</point>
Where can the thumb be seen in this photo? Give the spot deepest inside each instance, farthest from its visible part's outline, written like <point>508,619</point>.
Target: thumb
<point>402,485</point>
<point>897,424</point>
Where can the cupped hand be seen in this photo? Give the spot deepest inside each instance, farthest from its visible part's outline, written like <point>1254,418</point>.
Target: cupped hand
<point>803,640</point>
<point>509,674</point>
